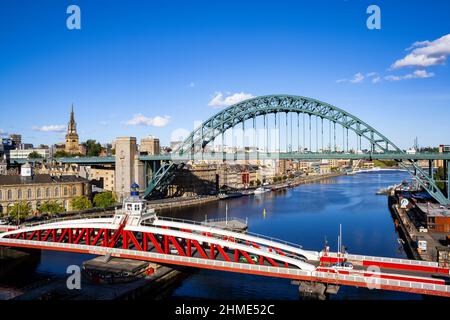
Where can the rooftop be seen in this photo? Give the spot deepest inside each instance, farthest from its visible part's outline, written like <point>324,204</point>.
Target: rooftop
<point>39,179</point>
<point>434,209</point>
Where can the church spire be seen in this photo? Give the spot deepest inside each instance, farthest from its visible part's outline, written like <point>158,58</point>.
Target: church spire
<point>72,128</point>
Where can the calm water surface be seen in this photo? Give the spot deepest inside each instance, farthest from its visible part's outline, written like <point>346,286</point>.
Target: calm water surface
<point>307,214</point>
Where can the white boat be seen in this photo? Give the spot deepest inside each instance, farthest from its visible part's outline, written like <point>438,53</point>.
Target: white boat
<point>261,190</point>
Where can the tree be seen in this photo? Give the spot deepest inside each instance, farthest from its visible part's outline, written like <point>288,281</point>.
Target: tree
<point>258,182</point>
<point>20,210</point>
<point>80,203</point>
<point>93,148</point>
<point>34,155</point>
<point>51,207</point>
<point>104,200</point>
<point>62,154</point>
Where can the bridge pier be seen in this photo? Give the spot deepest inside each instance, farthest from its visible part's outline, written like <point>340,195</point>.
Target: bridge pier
<point>315,290</point>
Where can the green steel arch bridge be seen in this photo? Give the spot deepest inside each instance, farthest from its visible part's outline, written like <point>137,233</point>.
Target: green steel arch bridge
<point>286,127</point>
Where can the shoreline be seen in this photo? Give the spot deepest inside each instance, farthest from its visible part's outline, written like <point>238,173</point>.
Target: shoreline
<point>166,204</point>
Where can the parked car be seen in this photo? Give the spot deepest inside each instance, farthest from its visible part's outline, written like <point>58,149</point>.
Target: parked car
<point>342,266</point>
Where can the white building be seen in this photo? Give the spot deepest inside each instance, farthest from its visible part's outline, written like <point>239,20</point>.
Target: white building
<point>24,154</point>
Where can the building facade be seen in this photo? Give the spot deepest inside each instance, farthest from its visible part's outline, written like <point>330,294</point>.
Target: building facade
<point>17,139</point>
<point>24,153</point>
<point>38,189</point>
<point>103,178</point>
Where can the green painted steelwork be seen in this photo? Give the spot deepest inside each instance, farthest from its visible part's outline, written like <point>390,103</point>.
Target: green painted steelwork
<point>273,104</point>
<point>257,155</point>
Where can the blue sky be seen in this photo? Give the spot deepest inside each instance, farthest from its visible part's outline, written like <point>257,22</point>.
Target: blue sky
<point>152,67</point>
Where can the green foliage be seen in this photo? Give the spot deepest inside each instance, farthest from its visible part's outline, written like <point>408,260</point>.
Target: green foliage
<point>19,210</point>
<point>385,163</point>
<point>62,154</point>
<point>93,148</point>
<point>258,182</point>
<point>104,200</point>
<point>51,207</point>
<point>34,155</point>
<point>439,175</point>
<point>80,203</point>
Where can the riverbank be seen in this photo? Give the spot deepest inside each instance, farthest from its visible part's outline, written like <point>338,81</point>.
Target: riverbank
<point>182,202</point>
<point>406,220</point>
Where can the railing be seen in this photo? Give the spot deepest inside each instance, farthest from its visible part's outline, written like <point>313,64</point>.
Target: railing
<point>386,259</point>
<point>54,220</point>
<point>370,282</point>
<point>256,235</point>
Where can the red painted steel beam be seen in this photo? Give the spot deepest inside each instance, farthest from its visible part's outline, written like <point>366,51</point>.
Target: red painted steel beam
<point>400,266</point>
<point>199,249</point>
<point>177,245</point>
<point>155,242</point>
<point>134,240</point>
<point>223,253</point>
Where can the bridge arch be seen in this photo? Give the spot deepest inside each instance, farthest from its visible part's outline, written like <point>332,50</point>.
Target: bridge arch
<point>238,113</point>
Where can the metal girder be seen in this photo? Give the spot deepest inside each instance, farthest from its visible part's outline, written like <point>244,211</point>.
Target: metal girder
<point>264,105</point>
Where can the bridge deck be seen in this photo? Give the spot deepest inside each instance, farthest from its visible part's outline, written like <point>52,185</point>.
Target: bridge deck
<point>203,246</point>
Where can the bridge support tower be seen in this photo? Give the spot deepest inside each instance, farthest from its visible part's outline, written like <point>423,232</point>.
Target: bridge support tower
<point>129,169</point>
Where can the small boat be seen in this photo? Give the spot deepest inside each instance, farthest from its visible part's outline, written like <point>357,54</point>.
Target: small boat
<point>261,190</point>
<point>248,192</point>
<point>230,195</point>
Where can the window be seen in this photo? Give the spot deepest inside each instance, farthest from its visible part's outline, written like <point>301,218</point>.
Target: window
<point>74,191</point>
<point>19,194</point>
<point>1,195</point>
<point>29,194</point>
<point>65,191</point>
<point>9,195</point>
<point>38,192</point>
<point>56,192</point>
<point>47,193</point>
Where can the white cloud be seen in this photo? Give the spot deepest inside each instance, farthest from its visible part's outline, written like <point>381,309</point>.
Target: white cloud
<point>51,128</point>
<point>3,133</point>
<point>415,75</point>
<point>357,78</point>
<point>179,134</point>
<point>426,53</point>
<point>191,85</point>
<point>219,100</point>
<point>142,120</point>
<point>376,79</point>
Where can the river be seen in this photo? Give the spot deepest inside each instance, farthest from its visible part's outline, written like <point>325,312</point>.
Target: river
<point>307,215</point>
